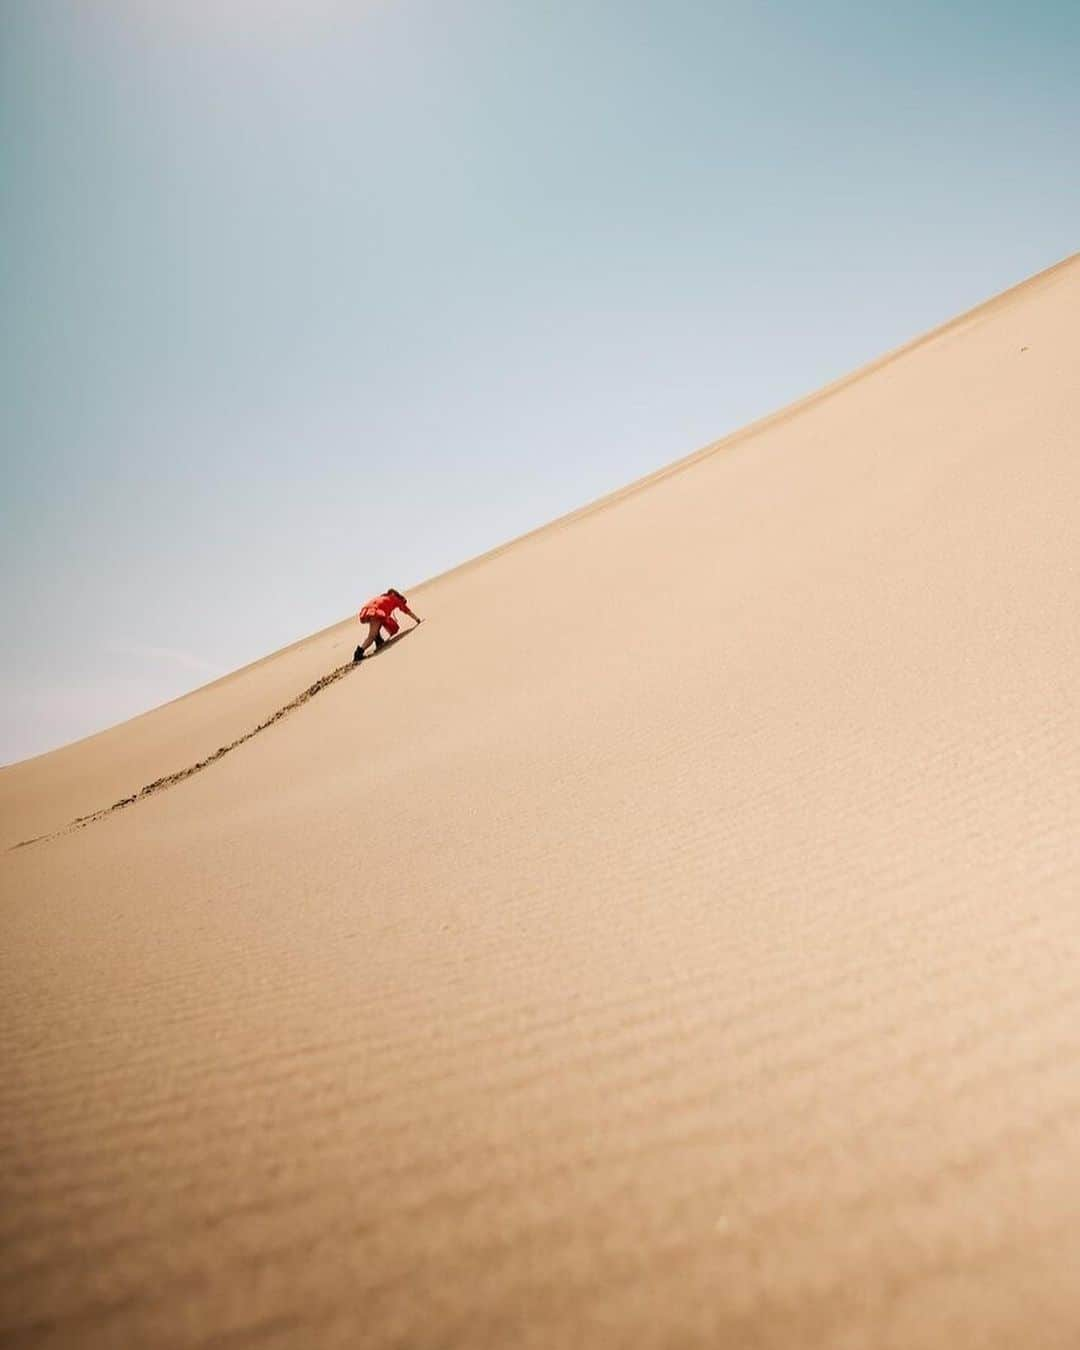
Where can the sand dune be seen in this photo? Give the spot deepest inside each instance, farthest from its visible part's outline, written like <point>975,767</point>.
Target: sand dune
<point>44,794</point>
<point>673,943</point>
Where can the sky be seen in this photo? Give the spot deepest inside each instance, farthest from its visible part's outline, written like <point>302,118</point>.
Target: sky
<point>302,300</point>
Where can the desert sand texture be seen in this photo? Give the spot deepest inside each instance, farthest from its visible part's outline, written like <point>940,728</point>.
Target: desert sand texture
<point>673,942</point>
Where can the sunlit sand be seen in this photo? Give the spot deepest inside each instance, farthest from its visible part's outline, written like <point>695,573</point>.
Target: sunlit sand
<point>672,942</point>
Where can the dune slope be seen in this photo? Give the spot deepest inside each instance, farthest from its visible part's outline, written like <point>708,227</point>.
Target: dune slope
<point>674,942</point>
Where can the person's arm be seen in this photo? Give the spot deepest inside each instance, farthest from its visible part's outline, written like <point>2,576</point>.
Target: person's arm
<point>408,611</point>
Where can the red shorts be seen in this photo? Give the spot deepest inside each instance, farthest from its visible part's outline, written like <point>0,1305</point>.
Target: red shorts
<point>372,614</point>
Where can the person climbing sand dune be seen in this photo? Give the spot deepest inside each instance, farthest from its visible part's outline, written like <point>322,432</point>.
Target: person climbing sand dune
<point>379,614</point>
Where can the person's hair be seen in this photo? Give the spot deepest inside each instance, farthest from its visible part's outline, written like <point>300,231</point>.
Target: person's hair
<point>392,591</point>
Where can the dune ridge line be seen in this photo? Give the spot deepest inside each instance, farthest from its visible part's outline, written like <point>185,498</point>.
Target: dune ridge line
<point>728,441</point>
<point>984,309</point>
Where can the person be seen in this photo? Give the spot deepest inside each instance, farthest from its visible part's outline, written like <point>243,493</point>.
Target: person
<point>379,614</point>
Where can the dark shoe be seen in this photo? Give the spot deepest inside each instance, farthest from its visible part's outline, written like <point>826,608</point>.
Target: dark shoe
<point>358,655</point>
<point>380,641</point>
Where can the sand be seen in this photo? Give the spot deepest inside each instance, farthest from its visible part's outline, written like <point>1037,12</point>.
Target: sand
<point>673,942</point>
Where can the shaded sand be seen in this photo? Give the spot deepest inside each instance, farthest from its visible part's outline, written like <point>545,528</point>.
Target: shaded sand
<point>691,958</point>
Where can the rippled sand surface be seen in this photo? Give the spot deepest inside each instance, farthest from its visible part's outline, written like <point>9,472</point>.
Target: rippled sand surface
<point>674,942</point>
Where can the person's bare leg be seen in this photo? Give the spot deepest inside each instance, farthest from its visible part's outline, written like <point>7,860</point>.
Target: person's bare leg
<point>373,630</point>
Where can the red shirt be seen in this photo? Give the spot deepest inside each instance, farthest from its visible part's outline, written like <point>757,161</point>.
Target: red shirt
<point>383,606</point>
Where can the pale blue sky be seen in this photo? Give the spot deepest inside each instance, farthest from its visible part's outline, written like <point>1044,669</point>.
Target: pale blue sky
<point>300,300</point>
